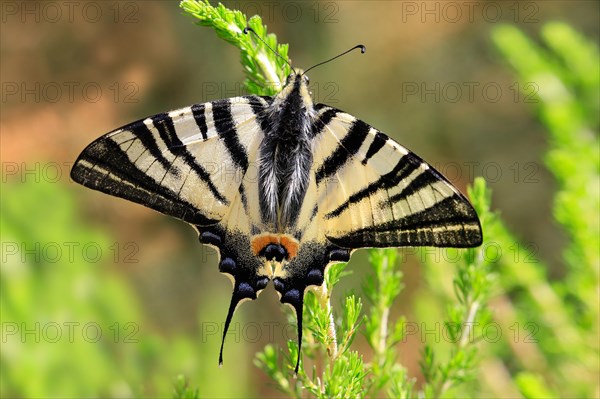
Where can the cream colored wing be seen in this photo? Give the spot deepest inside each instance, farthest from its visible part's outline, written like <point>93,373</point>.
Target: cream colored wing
<point>187,163</point>
<point>372,192</point>
<point>197,164</point>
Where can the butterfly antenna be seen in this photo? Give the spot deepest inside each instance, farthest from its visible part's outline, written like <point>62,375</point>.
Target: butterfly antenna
<point>249,29</point>
<point>360,46</point>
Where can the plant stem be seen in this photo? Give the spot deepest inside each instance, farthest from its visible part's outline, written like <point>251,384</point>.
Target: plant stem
<point>385,313</point>
<point>267,69</point>
<point>469,323</point>
<point>446,383</point>
<point>325,301</point>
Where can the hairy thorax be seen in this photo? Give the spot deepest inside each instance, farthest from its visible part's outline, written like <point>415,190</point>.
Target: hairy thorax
<point>286,157</point>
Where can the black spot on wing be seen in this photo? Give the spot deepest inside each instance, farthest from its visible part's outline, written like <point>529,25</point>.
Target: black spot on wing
<point>347,147</point>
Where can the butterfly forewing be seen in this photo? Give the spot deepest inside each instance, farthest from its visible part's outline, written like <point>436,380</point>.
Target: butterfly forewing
<point>375,193</point>
<point>177,163</point>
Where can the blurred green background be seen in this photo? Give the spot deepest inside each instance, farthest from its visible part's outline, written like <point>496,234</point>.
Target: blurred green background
<point>101,297</point>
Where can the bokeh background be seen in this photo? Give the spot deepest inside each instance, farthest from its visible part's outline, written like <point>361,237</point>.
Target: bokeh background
<point>101,297</point>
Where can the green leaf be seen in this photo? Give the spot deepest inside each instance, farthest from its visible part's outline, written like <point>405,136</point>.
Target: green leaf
<point>265,71</point>
<point>181,390</point>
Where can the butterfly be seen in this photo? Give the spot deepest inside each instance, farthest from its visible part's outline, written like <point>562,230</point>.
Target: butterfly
<point>280,186</point>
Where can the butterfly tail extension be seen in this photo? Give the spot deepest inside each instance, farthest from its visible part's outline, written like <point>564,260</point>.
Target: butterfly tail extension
<point>235,300</point>
<point>236,260</point>
<point>295,298</point>
<point>306,269</point>
<point>299,317</point>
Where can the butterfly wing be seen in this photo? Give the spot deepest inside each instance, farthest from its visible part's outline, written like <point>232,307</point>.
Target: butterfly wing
<point>186,163</point>
<point>366,190</point>
<point>197,164</point>
<point>375,193</point>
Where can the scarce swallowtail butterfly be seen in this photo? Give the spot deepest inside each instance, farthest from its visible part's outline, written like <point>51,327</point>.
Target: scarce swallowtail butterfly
<point>280,186</point>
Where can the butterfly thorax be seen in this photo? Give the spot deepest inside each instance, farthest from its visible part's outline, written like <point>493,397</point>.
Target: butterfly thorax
<point>286,156</point>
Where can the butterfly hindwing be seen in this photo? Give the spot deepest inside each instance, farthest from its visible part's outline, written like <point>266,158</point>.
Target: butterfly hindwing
<point>247,271</point>
<point>305,267</point>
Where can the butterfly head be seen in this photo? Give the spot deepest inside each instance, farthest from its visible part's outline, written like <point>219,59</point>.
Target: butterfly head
<point>296,91</point>
<point>297,75</point>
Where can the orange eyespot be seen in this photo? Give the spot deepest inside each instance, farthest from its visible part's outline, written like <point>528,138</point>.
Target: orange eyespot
<point>291,245</point>
<point>261,241</point>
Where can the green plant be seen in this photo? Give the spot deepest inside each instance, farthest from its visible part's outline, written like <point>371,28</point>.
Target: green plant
<point>563,360</point>
<point>72,326</point>
<point>45,288</point>
<point>265,72</point>
<point>183,391</point>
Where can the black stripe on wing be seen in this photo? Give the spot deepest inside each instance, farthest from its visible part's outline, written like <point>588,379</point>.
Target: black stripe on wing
<point>227,132</point>
<point>405,166</point>
<point>141,131</point>
<point>323,120</point>
<point>348,146</point>
<point>200,118</point>
<point>420,182</point>
<point>378,142</point>
<point>259,106</point>
<point>166,129</point>
<point>450,222</point>
<point>104,166</point>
